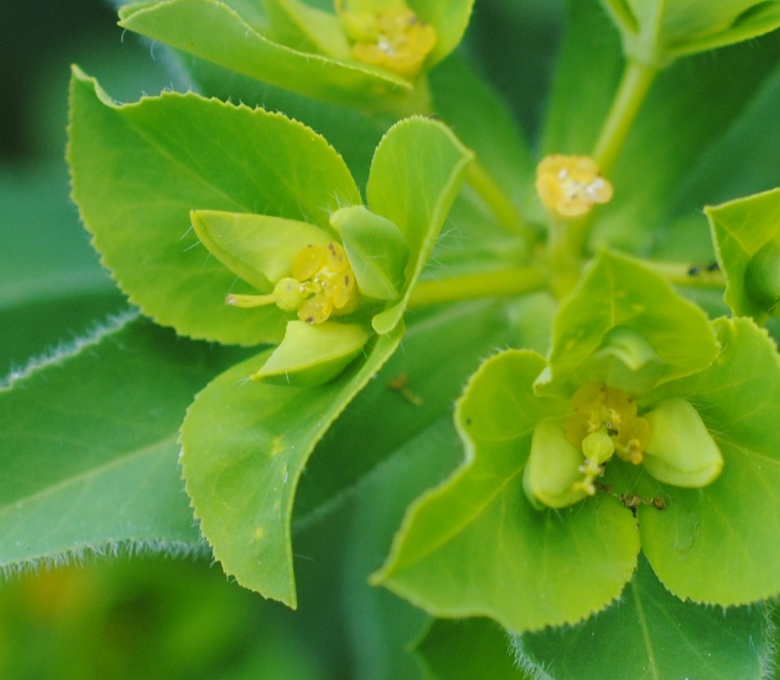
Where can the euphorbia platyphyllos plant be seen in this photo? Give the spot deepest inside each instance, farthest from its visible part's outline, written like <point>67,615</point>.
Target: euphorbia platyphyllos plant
<point>537,388</point>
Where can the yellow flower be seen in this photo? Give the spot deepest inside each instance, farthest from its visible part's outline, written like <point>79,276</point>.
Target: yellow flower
<point>322,285</point>
<point>394,39</point>
<point>569,186</point>
<point>605,423</point>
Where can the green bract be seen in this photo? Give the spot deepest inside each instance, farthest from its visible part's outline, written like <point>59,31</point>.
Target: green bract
<point>657,32</point>
<point>523,475</point>
<point>293,45</point>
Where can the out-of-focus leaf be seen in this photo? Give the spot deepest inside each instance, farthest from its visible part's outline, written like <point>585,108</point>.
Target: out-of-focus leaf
<point>89,447</point>
<point>650,634</point>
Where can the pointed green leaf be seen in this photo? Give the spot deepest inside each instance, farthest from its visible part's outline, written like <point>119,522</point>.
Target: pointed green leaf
<point>462,542</point>
<point>89,447</point>
<point>376,250</point>
<point>742,230</point>
<point>138,170</point>
<point>618,292</point>
<point>245,446</point>
<point>312,354</point>
<point>417,171</point>
<point>718,544</point>
<point>651,635</point>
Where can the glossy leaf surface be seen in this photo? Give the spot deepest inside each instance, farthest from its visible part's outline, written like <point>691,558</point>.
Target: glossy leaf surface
<point>139,170</point>
<point>245,446</point>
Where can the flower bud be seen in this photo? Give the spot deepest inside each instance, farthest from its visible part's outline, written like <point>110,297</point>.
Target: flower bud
<point>553,470</point>
<point>680,451</point>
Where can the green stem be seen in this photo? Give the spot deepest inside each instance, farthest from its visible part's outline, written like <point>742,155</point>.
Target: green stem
<point>691,276</point>
<point>498,202</point>
<point>631,92</point>
<point>507,282</point>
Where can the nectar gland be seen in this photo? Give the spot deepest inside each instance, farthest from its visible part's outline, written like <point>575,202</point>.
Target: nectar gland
<point>322,285</point>
<point>569,186</point>
<point>394,39</point>
<point>605,423</point>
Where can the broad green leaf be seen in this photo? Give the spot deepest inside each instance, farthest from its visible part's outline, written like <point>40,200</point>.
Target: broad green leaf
<point>245,446</point>
<point>465,650</point>
<point>232,42</point>
<point>742,230</point>
<point>618,292</point>
<point>89,447</point>
<point>718,544</point>
<point>464,541</point>
<point>650,635</point>
<point>657,32</point>
<point>139,169</point>
<point>415,175</point>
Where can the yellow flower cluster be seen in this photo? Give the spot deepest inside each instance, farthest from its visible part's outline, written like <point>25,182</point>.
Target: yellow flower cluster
<point>569,186</point>
<point>394,39</point>
<point>604,423</point>
<point>322,285</point>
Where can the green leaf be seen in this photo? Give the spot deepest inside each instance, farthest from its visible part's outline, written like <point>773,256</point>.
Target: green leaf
<point>718,544</point>
<point>416,173</point>
<point>462,542</point>
<point>650,634</point>
<point>237,44</point>
<point>245,446</point>
<point>259,248</point>
<point>618,292</point>
<point>312,354</point>
<point>138,170</point>
<point>656,32</point>
<point>467,649</point>
<point>89,447</point>
<point>743,229</point>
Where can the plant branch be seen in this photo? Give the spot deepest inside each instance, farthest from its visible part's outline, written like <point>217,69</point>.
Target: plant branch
<point>636,81</point>
<point>517,281</point>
